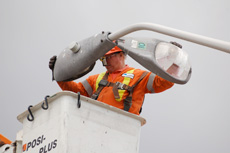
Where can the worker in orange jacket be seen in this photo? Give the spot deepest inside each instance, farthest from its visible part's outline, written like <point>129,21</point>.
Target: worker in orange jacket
<point>121,86</point>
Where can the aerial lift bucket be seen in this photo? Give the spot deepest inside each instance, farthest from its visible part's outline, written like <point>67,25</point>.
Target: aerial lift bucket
<point>67,122</point>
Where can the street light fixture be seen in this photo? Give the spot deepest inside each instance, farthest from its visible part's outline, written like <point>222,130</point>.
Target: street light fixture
<point>160,57</point>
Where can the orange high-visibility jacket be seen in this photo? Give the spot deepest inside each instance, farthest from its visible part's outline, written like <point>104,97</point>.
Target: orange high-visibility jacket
<point>151,83</point>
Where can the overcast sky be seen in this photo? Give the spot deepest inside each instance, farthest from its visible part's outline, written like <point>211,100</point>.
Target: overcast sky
<point>190,118</point>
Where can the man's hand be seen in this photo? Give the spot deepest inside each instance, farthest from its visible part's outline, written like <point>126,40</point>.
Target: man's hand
<point>52,62</point>
<point>51,65</point>
<point>176,44</point>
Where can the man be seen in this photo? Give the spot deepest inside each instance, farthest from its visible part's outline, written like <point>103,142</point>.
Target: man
<point>120,86</point>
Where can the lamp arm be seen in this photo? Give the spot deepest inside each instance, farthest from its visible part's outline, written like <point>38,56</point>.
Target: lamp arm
<point>195,38</point>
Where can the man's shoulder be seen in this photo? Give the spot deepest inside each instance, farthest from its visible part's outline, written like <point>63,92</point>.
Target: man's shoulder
<point>93,77</point>
<point>135,70</point>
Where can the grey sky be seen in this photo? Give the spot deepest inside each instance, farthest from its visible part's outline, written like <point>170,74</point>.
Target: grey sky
<point>191,118</point>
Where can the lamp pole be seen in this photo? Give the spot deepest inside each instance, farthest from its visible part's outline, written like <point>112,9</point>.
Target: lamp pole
<point>195,38</point>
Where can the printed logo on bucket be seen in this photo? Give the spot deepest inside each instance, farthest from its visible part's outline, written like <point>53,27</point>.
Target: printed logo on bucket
<point>37,142</point>
<point>34,143</point>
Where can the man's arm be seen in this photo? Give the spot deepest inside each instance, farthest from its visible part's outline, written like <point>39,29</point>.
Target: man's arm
<point>156,84</point>
<point>160,84</point>
<point>73,86</point>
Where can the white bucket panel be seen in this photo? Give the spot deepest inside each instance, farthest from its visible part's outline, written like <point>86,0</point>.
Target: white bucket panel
<point>94,127</point>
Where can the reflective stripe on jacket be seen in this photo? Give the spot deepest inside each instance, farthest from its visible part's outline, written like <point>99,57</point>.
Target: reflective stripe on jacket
<point>151,83</point>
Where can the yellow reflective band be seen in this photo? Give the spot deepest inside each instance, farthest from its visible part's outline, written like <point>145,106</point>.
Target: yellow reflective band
<point>125,81</point>
<point>99,78</point>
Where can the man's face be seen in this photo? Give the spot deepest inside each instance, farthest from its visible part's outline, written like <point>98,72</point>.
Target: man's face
<point>114,62</point>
